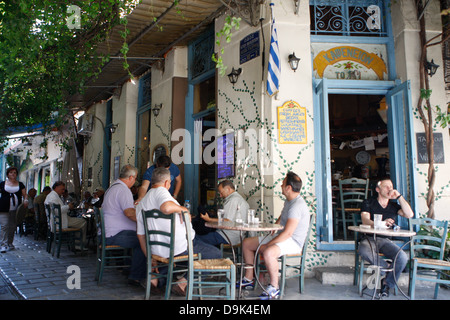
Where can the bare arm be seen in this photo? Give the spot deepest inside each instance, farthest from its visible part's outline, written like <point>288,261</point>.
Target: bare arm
<point>177,186</point>
<point>142,190</point>
<point>130,213</point>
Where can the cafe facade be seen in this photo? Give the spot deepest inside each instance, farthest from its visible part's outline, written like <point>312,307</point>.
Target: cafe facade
<point>348,110</point>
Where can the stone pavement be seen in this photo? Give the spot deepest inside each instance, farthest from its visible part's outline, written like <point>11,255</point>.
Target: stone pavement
<point>30,273</point>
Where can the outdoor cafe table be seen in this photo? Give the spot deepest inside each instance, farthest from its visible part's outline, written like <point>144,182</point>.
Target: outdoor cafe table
<point>244,227</point>
<point>400,233</point>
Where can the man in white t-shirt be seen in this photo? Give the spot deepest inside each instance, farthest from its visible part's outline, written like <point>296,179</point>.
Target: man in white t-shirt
<point>159,197</point>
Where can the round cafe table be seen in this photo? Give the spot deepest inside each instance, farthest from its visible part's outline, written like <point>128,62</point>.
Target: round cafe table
<point>244,227</point>
<point>387,232</point>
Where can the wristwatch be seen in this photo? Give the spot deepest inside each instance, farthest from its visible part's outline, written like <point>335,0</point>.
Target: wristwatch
<point>398,197</point>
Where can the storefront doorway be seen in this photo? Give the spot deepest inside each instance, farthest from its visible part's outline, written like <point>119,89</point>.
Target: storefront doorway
<point>356,123</point>
<point>359,147</point>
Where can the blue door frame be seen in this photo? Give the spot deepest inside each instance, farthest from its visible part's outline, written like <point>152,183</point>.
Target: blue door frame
<point>400,134</point>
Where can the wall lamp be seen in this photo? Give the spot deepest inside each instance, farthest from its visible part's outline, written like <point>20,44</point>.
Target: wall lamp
<point>113,127</point>
<point>297,6</point>
<point>234,75</point>
<point>156,109</point>
<point>293,61</point>
<point>431,67</point>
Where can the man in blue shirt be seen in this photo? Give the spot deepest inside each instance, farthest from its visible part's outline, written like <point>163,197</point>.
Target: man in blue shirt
<point>175,177</point>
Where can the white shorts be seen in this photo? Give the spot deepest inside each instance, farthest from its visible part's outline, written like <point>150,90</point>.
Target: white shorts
<point>288,246</point>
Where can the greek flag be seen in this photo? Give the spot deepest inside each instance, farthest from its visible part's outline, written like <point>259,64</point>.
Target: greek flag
<point>273,75</point>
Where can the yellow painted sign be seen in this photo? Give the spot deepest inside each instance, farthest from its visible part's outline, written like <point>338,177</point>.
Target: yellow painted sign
<point>292,123</point>
<point>334,55</point>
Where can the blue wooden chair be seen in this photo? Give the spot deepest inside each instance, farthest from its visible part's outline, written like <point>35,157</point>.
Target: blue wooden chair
<point>48,213</point>
<point>223,270</point>
<point>174,264</point>
<point>108,256</point>
<point>63,235</point>
<point>427,253</point>
<point>352,192</point>
<point>287,264</point>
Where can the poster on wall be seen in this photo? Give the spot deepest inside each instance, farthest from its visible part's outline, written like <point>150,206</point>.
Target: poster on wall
<point>350,62</point>
<point>292,123</point>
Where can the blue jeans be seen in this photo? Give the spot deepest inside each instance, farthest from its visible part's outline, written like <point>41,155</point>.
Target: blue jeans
<point>129,239</point>
<point>390,250</point>
<point>214,238</point>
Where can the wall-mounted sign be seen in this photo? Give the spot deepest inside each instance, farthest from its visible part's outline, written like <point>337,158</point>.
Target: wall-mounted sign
<point>364,62</point>
<point>249,47</point>
<point>292,124</point>
<point>422,153</point>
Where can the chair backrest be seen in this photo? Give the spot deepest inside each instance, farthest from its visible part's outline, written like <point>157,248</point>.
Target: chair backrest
<point>305,245</point>
<point>430,238</point>
<point>190,247</point>
<point>159,237</point>
<point>48,213</point>
<point>100,223</point>
<point>352,192</point>
<point>57,220</point>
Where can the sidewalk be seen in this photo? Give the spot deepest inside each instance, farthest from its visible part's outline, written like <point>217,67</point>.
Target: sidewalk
<point>30,273</point>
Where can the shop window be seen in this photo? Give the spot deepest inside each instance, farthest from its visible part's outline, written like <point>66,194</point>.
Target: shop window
<point>143,124</point>
<point>348,18</point>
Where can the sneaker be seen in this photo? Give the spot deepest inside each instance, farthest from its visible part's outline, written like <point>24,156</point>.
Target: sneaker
<point>384,292</point>
<point>270,293</point>
<point>3,249</point>
<point>246,284</point>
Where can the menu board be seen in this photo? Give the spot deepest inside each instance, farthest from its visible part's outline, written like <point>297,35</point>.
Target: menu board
<point>422,153</point>
<point>292,124</point>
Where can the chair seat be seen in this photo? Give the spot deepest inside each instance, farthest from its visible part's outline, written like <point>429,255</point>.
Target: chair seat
<point>434,262</point>
<point>294,255</point>
<point>112,246</point>
<point>213,264</point>
<point>166,260</point>
<point>70,229</point>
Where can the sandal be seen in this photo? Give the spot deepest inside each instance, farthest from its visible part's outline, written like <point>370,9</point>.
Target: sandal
<point>177,290</point>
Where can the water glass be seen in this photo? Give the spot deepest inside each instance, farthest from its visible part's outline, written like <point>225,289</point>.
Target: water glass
<point>220,215</point>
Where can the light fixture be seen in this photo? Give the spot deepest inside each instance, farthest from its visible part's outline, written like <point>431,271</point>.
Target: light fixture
<point>431,67</point>
<point>156,109</point>
<point>234,75</point>
<point>297,6</point>
<point>113,127</point>
<point>293,61</point>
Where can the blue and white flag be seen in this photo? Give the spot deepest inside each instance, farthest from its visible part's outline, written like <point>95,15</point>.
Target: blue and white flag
<point>273,76</point>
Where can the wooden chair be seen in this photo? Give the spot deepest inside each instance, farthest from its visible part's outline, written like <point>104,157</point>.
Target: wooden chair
<point>64,235</point>
<point>166,239</point>
<point>352,192</point>
<point>427,253</point>
<point>211,268</point>
<point>108,256</point>
<point>50,235</point>
<point>37,221</point>
<point>286,264</point>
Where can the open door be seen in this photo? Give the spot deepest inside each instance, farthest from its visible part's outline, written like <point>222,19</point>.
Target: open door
<point>402,146</point>
<point>401,149</point>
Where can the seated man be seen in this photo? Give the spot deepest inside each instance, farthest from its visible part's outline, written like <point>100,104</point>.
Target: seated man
<point>295,219</point>
<point>160,198</point>
<point>235,207</point>
<point>120,221</point>
<point>39,202</point>
<point>384,205</point>
<point>54,197</point>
